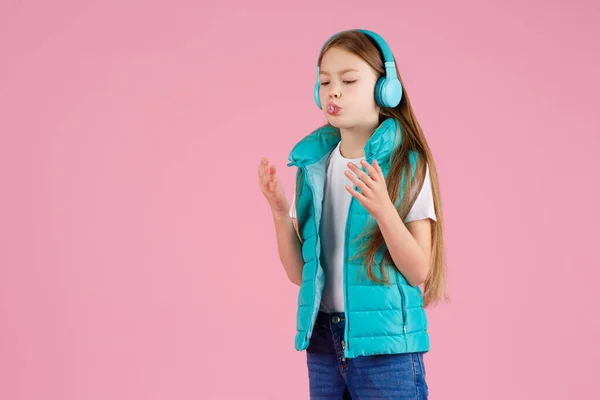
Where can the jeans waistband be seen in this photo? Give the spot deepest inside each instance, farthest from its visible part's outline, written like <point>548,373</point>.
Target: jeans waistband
<point>333,320</point>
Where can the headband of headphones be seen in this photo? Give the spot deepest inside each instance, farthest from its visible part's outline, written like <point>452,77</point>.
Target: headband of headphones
<point>382,46</point>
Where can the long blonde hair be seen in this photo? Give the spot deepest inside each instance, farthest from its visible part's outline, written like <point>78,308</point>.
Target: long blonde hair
<point>413,139</point>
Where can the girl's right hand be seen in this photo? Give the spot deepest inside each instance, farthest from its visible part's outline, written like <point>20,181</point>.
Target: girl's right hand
<point>272,189</point>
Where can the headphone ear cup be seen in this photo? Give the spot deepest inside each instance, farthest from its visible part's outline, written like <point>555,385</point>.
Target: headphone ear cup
<point>378,90</point>
<point>388,92</point>
<point>316,94</point>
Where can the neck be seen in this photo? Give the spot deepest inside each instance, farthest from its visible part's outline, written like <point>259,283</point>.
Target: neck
<point>354,139</point>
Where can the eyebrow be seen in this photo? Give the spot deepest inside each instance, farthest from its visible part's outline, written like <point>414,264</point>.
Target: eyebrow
<point>341,72</point>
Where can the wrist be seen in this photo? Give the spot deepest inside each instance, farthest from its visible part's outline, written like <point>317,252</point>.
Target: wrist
<point>278,215</point>
<point>388,213</point>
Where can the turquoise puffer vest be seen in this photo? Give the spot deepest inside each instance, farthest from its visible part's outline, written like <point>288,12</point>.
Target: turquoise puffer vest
<point>380,318</point>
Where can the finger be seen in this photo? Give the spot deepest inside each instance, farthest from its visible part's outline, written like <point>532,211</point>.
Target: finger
<point>357,182</point>
<point>356,194</point>
<point>272,174</point>
<point>273,185</point>
<point>361,174</point>
<point>373,174</point>
<point>378,169</point>
<point>265,178</point>
<point>264,165</point>
<point>273,177</point>
<point>261,167</point>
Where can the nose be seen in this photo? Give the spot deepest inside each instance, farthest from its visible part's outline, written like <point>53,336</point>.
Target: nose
<point>335,93</point>
<point>334,90</point>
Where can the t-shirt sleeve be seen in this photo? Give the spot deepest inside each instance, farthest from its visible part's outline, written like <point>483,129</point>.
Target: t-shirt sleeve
<point>293,206</point>
<point>423,207</point>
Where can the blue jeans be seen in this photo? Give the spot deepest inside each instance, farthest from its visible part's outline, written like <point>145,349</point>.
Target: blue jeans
<point>332,376</point>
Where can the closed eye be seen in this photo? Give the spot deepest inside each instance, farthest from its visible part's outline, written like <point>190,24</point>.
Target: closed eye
<point>346,82</point>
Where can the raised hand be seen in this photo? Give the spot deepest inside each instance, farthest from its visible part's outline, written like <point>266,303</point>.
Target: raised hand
<point>272,189</point>
<point>373,193</point>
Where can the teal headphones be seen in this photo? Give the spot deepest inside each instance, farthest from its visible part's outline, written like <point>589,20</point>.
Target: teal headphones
<point>388,90</point>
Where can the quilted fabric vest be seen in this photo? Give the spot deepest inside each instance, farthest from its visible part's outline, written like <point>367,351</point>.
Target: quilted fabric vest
<point>381,318</point>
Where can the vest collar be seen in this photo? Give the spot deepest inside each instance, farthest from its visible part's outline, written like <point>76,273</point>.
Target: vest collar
<point>323,140</point>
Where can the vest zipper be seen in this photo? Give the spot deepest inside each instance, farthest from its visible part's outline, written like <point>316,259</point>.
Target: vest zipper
<point>345,272</point>
<point>346,345</point>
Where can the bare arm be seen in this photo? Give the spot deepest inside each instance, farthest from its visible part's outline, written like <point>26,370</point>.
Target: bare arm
<point>409,245</point>
<point>288,242</point>
<point>289,247</point>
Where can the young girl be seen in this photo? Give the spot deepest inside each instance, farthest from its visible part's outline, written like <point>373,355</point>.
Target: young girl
<point>364,229</point>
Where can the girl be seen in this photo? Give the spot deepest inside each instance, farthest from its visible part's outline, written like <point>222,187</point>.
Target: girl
<point>364,229</point>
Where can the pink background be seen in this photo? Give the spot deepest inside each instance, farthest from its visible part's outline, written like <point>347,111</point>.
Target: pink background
<point>137,254</point>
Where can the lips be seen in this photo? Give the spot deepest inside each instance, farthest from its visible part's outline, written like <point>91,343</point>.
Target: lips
<point>333,109</point>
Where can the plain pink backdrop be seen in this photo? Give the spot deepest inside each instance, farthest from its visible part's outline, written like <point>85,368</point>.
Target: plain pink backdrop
<point>137,254</point>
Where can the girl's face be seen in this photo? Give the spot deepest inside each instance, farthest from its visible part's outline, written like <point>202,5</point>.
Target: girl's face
<point>347,90</point>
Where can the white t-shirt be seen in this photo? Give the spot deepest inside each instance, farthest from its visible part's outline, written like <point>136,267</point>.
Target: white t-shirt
<point>335,211</point>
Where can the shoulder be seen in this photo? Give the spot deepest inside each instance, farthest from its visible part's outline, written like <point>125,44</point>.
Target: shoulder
<point>314,144</point>
<point>424,205</point>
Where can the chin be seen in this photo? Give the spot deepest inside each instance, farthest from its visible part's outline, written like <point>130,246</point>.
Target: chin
<point>338,122</point>
<point>333,122</point>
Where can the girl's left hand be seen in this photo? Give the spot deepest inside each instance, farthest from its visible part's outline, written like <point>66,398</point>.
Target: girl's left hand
<point>373,193</point>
